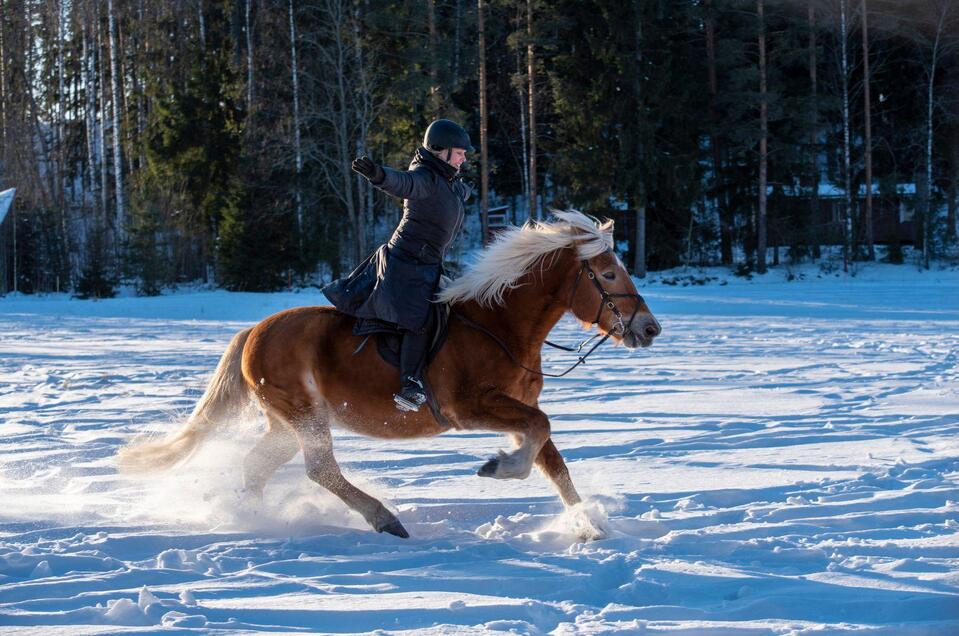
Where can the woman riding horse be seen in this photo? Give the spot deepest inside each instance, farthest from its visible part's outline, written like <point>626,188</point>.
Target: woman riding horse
<point>302,367</point>
<point>395,286</point>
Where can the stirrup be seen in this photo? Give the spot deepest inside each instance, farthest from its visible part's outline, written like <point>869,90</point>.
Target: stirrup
<point>411,396</point>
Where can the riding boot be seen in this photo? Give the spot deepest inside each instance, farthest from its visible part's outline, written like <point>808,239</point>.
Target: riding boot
<point>413,352</point>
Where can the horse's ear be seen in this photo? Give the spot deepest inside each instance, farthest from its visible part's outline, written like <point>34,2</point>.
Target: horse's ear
<point>605,226</point>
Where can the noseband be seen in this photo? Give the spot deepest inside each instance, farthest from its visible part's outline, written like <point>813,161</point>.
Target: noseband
<point>605,302</point>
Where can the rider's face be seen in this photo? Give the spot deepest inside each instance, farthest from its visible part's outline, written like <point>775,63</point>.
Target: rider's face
<point>457,157</point>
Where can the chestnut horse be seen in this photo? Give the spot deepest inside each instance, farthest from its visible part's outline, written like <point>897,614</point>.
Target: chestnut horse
<point>303,368</point>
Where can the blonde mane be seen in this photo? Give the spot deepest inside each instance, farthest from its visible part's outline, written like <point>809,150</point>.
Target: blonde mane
<point>517,250</point>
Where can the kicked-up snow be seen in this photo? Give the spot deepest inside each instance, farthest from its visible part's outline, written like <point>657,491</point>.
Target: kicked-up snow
<point>783,460</point>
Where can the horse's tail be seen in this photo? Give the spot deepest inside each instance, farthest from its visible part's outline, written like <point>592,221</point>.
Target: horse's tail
<point>225,394</point>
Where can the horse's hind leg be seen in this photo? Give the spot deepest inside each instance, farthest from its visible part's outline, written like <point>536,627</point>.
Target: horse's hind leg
<point>275,448</point>
<point>551,463</point>
<point>321,467</point>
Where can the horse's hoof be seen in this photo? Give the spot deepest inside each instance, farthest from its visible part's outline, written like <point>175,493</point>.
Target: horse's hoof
<point>395,528</point>
<point>489,468</point>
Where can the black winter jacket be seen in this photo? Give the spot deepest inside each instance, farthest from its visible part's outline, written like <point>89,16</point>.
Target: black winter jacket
<point>397,282</point>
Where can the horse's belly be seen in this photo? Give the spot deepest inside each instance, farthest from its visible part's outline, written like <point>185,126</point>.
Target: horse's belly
<point>385,421</point>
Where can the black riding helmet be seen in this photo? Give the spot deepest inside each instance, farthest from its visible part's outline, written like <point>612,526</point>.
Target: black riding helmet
<point>444,134</point>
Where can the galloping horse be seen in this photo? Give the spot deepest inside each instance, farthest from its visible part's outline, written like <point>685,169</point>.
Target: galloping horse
<point>303,368</point>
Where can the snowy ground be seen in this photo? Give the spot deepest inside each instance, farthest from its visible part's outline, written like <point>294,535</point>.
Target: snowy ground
<point>785,459</point>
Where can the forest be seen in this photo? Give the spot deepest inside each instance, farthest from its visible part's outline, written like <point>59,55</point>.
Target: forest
<point>172,142</point>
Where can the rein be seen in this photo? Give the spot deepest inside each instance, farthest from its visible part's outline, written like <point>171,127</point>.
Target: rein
<point>502,345</point>
<point>605,303</point>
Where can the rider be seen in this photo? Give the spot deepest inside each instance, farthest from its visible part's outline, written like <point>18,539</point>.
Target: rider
<point>396,284</point>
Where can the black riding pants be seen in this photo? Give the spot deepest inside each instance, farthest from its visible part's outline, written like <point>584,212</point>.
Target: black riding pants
<point>415,347</point>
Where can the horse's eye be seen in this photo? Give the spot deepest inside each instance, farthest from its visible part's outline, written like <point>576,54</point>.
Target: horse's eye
<point>609,275</point>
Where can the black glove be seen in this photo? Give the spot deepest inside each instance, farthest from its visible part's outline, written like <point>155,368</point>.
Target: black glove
<point>365,166</point>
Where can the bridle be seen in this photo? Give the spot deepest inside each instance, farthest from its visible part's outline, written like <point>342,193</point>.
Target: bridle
<point>606,303</point>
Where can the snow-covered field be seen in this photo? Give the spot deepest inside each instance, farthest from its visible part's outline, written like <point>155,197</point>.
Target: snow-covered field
<point>785,459</point>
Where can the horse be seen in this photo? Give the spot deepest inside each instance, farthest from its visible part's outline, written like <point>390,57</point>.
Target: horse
<point>305,370</point>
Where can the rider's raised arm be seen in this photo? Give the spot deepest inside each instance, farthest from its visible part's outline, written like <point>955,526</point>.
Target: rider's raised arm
<point>407,184</point>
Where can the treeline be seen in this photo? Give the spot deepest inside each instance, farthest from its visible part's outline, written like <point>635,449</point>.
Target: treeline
<point>165,142</point>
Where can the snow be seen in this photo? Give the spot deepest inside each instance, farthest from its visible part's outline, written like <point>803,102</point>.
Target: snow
<point>783,460</point>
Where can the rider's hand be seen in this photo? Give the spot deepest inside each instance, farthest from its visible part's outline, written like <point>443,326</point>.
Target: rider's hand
<point>365,166</point>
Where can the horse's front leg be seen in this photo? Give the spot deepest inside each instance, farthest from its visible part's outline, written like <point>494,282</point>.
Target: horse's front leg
<point>551,463</point>
<point>500,412</point>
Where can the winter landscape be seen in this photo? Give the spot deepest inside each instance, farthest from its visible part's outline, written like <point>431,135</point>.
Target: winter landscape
<point>783,460</point>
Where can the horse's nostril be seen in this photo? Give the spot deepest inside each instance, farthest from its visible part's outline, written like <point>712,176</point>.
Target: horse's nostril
<point>652,330</point>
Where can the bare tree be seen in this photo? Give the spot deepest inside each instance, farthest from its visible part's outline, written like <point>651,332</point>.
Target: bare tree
<point>867,125</point>
<point>248,28</point>
<point>60,139</point>
<point>813,127</point>
<point>639,237</point>
<point>484,158</point>
<point>101,124</point>
<point>847,171</point>
<point>931,26</point>
<point>436,95</point>
<point>940,14</point>
<point>89,91</point>
<point>344,110</point>
<point>202,22</point>
<point>531,73</point>
<point>364,109</point>
<point>953,202</point>
<point>117,156</point>
<point>297,145</point>
<point>3,88</point>
<point>457,19</point>
<point>725,229</point>
<point>763,141</point>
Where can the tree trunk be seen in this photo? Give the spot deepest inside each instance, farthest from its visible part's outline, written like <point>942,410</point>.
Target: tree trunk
<point>138,85</point>
<point>953,184</point>
<point>928,212</point>
<point>297,148</point>
<point>89,110</point>
<point>362,116</point>
<point>3,97</point>
<point>117,157</point>
<point>248,28</point>
<point>725,223</point>
<point>521,93</point>
<point>763,140</point>
<point>457,20</point>
<point>61,171</point>
<point>847,177</point>
<point>436,97</point>
<point>639,238</point>
<point>815,235</point>
<point>531,77</point>
<point>101,128</point>
<point>202,21</point>
<point>36,135</point>
<point>484,158</point>
<point>867,124</point>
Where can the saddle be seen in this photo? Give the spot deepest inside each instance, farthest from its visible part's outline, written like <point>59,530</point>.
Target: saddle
<point>389,337</point>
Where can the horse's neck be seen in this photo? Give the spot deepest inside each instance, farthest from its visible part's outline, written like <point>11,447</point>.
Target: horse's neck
<point>532,309</point>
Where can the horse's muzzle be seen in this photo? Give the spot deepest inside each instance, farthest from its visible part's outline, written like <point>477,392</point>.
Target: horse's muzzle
<point>641,335</point>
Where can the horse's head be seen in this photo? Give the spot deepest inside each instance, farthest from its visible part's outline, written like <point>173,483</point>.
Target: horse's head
<point>603,294</point>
